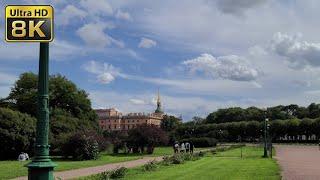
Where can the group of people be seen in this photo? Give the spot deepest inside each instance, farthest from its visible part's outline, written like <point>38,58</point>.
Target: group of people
<point>184,147</point>
<point>23,157</point>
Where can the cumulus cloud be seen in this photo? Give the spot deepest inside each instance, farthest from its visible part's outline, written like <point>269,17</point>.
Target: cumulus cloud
<point>123,15</point>
<point>105,73</point>
<point>299,53</point>
<point>147,43</point>
<point>237,7</point>
<point>70,12</point>
<point>93,34</point>
<point>230,67</point>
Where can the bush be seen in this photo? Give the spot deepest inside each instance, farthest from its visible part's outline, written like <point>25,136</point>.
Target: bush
<point>202,142</point>
<point>177,159</point>
<point>17,132</point>
<point>166,160</point>
<point>81,146</point>
<point>187,156</point>
<point>150,166</point>
<point>114,174</point>
<point>118,173</point>
<point>201,153</point>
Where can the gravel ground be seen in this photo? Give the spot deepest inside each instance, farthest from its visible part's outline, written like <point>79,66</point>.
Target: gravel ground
<point>299,162</point>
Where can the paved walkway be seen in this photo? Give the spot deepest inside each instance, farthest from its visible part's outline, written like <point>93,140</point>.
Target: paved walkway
<point>299,162</point>
<point>71,174</point>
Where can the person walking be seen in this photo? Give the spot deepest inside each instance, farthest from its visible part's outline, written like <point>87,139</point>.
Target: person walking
<point>176,147</point>
<point>187,147</point>
<point>182,148</point>
<point>191,147</point>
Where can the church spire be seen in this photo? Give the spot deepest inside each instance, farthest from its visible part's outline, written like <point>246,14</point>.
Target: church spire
<point>158,110</point>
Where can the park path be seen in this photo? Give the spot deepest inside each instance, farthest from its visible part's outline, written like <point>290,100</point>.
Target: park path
<point>298,162</point>
<point>72,174</point>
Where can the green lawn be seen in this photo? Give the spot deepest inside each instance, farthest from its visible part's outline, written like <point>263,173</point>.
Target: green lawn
<point>11,169</point>
<point>224,165</point>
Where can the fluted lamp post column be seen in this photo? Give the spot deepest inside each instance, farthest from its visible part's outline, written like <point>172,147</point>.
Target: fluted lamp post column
<point>41,167</point>
<point>265,150</point>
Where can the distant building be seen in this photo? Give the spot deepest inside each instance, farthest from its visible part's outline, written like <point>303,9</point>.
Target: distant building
<point>113,120</point>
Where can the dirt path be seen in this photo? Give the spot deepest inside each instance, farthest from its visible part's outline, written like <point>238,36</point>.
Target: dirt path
<point>98,169</point>
<point>299,162</point>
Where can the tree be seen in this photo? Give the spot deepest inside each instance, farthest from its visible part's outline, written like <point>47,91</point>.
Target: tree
<point>81,146</point>
<point>117,138</point>
<point>70,107</point>
<point>146,136</point>
<point>63,93</point>
<point>170,123</point>
<point>314,110</point>
<point>17,132</point>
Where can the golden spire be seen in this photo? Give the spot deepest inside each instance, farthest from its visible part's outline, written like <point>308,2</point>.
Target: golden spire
<point>158,100</point>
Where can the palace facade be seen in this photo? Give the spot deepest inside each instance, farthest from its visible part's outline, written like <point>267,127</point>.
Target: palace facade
<point>113,120</point>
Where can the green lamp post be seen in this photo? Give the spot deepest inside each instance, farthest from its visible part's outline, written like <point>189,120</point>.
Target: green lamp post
<point>265,149</point>
<point>41,167</point>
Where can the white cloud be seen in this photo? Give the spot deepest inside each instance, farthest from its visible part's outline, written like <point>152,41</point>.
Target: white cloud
<point>147,43</point>
<point>299,53</point>
<point>105,73</point>
<point>225,67</point>
<point>93,35</point>
<point>105,78</point>
<point>137,101</point>
<point>237,7</point>
<point>69,13</point>
<point>123,15</point>
<point>97,7</point>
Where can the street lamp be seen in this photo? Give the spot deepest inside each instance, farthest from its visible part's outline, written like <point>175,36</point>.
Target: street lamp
<point>265,152</point>
<point>41,166</point>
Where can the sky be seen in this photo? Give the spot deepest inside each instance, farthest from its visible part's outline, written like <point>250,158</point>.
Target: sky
<point>201,55</point>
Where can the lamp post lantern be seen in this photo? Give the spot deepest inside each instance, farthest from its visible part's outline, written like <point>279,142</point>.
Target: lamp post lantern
<point>41,166</point>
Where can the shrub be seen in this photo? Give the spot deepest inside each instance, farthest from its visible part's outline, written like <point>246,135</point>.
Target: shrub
<point>118,173</point>
<point>17,132</point>
<point>201,153</point>
<point>166,160</point>
<point>177,159</point>
<point>81,146</point>
<point>187,156</point>
<point>150,166</point>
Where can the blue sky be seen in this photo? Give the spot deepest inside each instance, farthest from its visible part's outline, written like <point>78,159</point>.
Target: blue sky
<point>202,55</point>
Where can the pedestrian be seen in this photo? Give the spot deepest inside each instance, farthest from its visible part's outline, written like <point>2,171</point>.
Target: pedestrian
<point>191,147</point>
<point>176,147</point>
<point>21,157</point>
<point>187,147</point>
<point>26,156</point>
<point>182,148</point>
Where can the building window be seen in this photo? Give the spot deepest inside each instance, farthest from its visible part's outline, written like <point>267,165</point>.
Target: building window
<point>109,126</point>
<point>133,121</point>
<point>146,121</point>
<point>115,126</point>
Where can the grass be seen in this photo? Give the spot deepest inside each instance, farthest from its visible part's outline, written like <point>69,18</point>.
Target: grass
<point>223,165</point>
<point>11,169</point>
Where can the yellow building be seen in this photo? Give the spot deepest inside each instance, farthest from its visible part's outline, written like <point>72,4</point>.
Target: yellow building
<point>112,119</point>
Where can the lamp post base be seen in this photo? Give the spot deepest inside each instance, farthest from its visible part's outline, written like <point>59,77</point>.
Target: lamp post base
<point>41,170</point>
